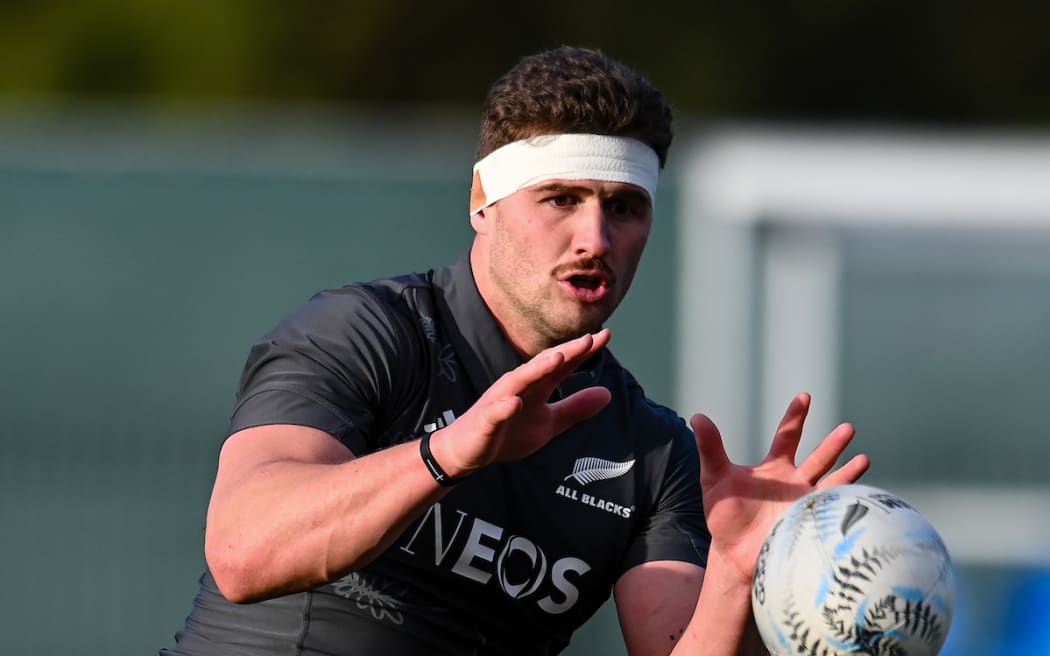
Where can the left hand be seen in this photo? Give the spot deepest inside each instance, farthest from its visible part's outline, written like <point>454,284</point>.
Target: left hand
<point>743,503</point>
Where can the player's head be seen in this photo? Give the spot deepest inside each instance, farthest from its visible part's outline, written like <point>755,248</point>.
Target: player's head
<point>570,114</point>
<point>574,91</point>
<point>572,143</point>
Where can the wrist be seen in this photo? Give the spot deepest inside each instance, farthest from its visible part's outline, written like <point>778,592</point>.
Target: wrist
<point>723,572</point>
<point>432,464</point>
<point>441,465</point>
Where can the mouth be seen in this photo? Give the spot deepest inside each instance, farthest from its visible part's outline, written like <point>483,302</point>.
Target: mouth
<point>587,286</point>
<point>588,281</point>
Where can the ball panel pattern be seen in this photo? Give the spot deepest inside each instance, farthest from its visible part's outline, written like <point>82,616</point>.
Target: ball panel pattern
<point>853,570</point>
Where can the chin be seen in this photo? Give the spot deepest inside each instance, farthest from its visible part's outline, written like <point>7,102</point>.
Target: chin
<point>582,327</point>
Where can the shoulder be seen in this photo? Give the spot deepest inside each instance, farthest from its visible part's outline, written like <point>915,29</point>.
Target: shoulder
<point>379,306</point>
<point>339,362</point>
<point>662,441</point>
<point>368,329</point>
<point>653,418</point>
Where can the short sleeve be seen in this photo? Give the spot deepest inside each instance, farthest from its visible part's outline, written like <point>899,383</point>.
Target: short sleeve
<point>329,365</point>
<point>675,529</point>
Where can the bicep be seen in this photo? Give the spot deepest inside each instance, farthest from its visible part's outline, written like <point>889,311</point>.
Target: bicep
<point>654,603</point>
<point>250,450</point>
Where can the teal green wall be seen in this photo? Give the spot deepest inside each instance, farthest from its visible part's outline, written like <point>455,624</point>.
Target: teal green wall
<point>136,271</point>
<point>129,300</point>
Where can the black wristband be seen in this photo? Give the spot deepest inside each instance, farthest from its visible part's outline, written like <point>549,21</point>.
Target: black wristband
<point>432,466</point>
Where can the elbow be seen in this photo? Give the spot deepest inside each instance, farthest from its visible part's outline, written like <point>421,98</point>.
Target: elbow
<point>235,589</point>
<point>235,576</point>
<point>247,571</point>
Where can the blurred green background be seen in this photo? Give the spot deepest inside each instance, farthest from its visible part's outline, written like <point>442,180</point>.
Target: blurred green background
<point>174,177</point>
<point>935,61</point>
<point>133,285</point>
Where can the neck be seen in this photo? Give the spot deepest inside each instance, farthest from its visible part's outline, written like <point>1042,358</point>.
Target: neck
<point>524,342</point>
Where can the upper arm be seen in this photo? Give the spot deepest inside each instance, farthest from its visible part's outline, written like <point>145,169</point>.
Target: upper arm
<point>335,364</point>
<point>248,451</point>
<point>654,603</point>
<point>259,537</point>
<point>664,568</point>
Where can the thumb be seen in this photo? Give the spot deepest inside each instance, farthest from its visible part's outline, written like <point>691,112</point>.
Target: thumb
<point>713,458</point>
<point>498,412</point>
<point>576,407</point>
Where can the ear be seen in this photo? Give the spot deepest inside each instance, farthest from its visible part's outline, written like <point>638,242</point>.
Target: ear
<point>478,222</point>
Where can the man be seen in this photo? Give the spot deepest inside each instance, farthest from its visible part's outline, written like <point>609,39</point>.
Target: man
<point>454,463</point>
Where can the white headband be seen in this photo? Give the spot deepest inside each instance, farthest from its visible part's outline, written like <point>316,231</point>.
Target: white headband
<point>522,164</point>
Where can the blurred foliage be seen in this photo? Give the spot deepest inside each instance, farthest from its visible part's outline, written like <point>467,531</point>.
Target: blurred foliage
<point>935,61</point>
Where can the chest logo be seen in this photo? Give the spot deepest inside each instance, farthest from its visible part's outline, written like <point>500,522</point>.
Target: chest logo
<point>589,470</point>
<point>446,418</point>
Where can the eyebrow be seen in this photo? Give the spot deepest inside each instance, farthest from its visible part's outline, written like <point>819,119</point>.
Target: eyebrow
<point>559,186</point>
<point>635,194</point>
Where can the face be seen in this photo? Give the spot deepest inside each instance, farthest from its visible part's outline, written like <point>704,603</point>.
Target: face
<point>554,260</point>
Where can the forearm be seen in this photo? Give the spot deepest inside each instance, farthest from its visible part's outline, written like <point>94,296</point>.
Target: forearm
<point>722,623</point>
<point>292,508</point>
<point>288,526</point>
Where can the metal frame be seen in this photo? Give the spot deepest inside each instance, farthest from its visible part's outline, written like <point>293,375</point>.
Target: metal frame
<point>759,272</point>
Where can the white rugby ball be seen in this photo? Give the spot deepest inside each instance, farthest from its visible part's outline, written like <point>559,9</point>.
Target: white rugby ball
<point>852,570</point>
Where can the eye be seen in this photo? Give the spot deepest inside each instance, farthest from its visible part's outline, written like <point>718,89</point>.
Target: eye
<point>619,207</point>
<point>561,200</point>
<point>625,207</point>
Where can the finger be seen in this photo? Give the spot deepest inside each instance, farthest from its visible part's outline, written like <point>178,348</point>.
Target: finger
<point>823,458</point>
<point>713,458</point>
<point>540,374</point>
<point>578,350</point>
<point>789,431</point>
<point>847,473</point>
<point>578,406</point>
<point>554,364</point>
<point>601,340</point>
<point>498,412</point>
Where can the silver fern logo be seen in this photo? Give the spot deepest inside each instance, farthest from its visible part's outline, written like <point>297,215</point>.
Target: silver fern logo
<point>589,470</point>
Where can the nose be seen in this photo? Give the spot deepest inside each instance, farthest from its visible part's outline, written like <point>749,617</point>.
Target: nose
<point>591,236</point>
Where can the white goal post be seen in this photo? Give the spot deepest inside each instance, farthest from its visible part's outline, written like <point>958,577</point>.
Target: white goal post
<point>760,269</point>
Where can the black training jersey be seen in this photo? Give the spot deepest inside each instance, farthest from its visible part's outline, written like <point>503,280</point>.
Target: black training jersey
<point>514,558</point>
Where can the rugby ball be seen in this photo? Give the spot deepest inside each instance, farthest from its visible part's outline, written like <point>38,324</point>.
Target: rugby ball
<point>849,570</point>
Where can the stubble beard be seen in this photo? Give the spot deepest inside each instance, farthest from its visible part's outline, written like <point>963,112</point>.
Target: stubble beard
<point>539,310</point>
<point>537,305</point>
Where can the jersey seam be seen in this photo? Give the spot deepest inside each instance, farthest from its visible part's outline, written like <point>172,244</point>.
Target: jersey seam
<point>293,388</point>
<point>307,604</point>
<point>402,313</point>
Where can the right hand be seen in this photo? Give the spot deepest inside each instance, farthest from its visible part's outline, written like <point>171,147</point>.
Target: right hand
<point>742,503</point>
<point>513,418</point>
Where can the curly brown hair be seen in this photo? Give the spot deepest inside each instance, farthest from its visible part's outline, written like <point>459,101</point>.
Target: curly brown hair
<point>574,90</point>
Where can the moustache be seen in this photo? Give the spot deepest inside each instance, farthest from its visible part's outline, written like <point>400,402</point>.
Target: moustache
<point>584,266</point>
